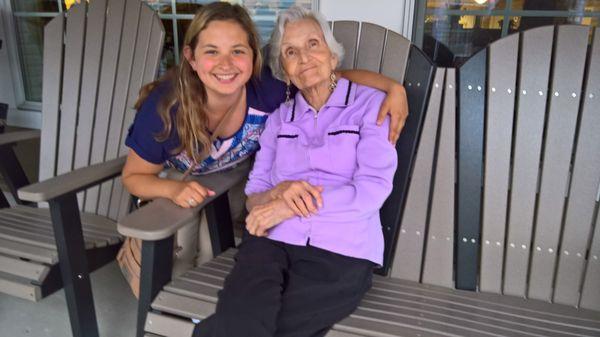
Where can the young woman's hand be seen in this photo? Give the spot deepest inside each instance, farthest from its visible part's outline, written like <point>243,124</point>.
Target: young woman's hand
<point>188,194</point>
<point>299,195</point>
<point>266,216</point>
<point>395,105</point>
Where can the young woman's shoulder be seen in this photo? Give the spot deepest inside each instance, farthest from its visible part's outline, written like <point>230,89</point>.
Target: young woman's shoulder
<point>265,92</point>
<point>147,125</point>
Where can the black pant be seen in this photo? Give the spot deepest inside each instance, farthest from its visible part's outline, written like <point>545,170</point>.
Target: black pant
<point>282,290</point>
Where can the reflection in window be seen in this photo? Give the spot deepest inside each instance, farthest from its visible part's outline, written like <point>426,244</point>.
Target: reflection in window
<point>461,36</point>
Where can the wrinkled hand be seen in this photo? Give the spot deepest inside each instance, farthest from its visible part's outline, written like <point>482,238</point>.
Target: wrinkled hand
<point>395,105</point>
<point>266,216</point>
<point>298,195</point>
<point>190,193</point>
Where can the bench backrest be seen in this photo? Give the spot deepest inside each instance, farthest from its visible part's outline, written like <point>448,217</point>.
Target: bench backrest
<point>527,173</point>
<point>540,177</point>
<point>96,58</point>
<point>375,48</point>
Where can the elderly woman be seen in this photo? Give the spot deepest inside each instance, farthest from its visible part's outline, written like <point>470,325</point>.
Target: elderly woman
<point>323,170</point>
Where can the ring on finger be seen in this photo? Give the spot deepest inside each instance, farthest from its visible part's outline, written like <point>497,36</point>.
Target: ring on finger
<point>192,202</point>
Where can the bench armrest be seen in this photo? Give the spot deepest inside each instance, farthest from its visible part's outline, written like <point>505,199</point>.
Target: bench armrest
<point>72,182</point>
<point>18,136</point>
<point>162,218</point>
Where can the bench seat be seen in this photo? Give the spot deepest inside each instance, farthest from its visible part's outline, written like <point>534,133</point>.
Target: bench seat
<point>392,307</point>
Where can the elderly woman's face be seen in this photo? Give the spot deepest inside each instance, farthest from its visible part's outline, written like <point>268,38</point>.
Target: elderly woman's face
<point>306,58</point>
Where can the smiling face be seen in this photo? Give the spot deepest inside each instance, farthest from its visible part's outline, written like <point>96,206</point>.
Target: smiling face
<point>305,56</point>
<point>222,59</point>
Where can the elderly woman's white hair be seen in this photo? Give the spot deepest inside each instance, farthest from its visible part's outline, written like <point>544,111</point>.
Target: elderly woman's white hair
<point>293,14</point>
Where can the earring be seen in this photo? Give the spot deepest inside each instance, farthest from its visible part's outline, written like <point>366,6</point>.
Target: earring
<point>333,80</point>
<point>287,94</point>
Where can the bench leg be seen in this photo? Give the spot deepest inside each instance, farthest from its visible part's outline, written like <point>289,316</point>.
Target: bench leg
<point>220,225</point>
<point>157,265</point>
<point>73,265</point>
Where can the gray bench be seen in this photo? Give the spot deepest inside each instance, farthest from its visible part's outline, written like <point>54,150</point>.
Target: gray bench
<point>498,185</point>
<point>96,58</point>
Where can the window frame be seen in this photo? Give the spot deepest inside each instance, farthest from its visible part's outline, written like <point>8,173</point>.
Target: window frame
<point>422,12</point>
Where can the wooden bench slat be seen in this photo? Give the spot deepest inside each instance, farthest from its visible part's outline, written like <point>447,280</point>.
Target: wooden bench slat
<point>89,86</point>
<point>45,241</point>
<point>35,253</point>
<point>371,42</point>
<point>168,326</point>
<point>107,204</point>
<point>19,287</point>
<point>529,307</point>
<point>438,265</point>
<point>106,87</point>
<point>88,220</point>
<point>471,84</point>
<point>460,312</point>
<point>569,64</point>
<point>52,80</point>
<point>46,225</point>
<point>583,193</point>
<point>409,247</point>
<point>75,33</point>
<point>502,76</point>
<point>534,68</point>
<point>182,305</point>
<point>346,33</point>
<point>395,56</point>
<point>120,198</point>
<point>25,269</point>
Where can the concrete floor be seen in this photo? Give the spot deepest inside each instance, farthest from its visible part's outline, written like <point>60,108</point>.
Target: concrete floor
<point>115,310</point>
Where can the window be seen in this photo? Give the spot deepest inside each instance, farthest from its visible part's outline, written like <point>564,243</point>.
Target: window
<point>30,17</point>
<point>452,30</point>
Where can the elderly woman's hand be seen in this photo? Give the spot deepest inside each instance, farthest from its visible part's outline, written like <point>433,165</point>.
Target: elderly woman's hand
<point>266,216</point>
<point>299,195</point>
<point>395,105</point>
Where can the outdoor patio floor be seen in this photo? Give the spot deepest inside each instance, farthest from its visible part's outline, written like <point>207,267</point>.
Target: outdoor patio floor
<point>115,310</point>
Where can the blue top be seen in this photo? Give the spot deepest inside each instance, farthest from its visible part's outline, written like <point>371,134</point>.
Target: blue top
<point>263,96</point>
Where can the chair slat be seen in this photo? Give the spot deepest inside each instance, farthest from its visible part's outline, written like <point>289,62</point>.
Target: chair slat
<point>89,85</point>
<point>395,56</point>
<point>502,76</point>
<point>569,65</point>
<point>126,54</point>
<point>45,226</point>
<point>29,270</point>
<point>421,76</point>
<point>346,33</point>
<point>72,83</point>
<point>33,253</point>
<point>534,69</point>
<point>372,38</point>
<point>110,57</point>
<point>409,247</point>
<point>19,287</point>
<point>584,189</point>
<point>440,242</point>
<point>590,296</point>
<point>168,326</point>
<point>52,79</point>
<point>157,37</point>
<point>472,75</point>
<point>120,197</point>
